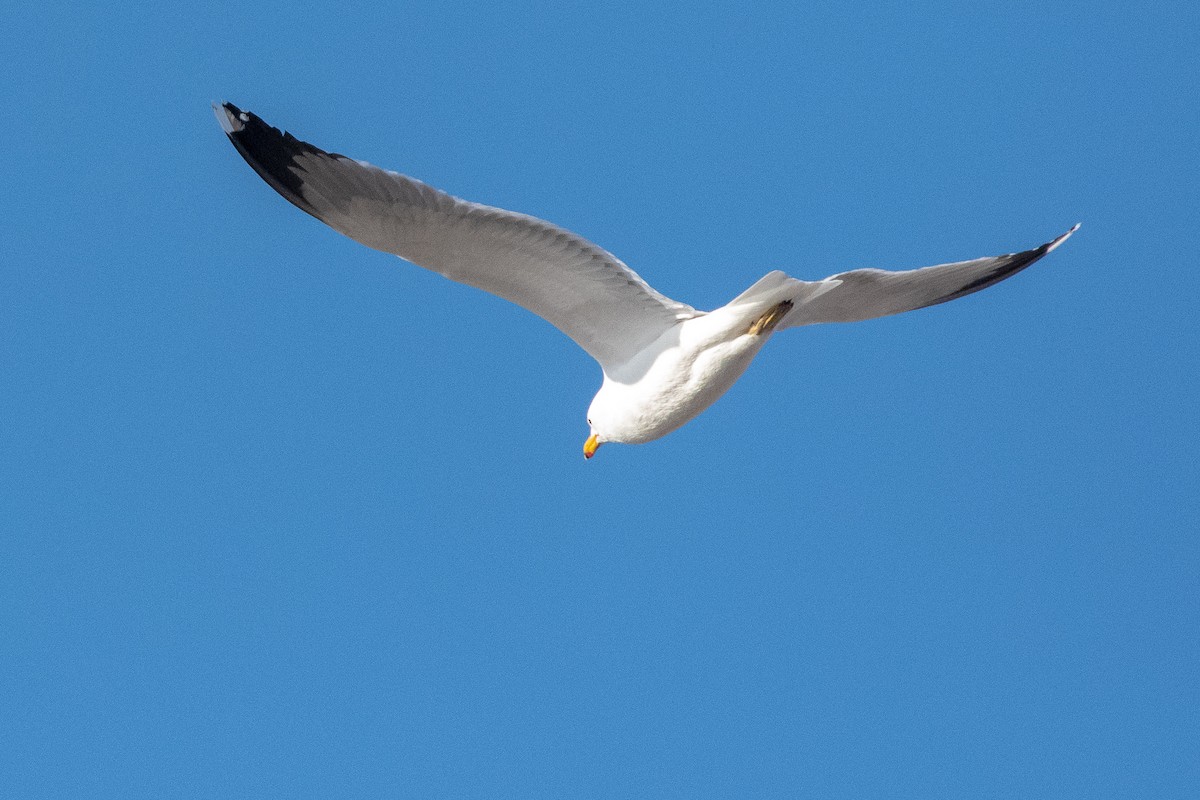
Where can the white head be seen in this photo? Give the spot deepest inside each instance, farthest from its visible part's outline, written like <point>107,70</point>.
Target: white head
<point>607,417</point>
<point>615,415</point>
<point>595,437</point>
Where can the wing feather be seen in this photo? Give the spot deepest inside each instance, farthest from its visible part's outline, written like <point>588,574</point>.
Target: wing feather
<point>869,293</point>
<point>581,289</point>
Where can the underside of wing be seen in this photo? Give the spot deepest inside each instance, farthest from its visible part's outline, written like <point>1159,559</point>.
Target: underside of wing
<point>580,288</point>
<point>868,293</point>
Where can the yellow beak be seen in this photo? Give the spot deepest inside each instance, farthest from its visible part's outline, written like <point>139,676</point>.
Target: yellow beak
<point>591,446</point>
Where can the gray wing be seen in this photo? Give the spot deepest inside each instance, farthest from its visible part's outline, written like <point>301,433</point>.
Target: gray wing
<point>869,293</point>
<point>581,289</point>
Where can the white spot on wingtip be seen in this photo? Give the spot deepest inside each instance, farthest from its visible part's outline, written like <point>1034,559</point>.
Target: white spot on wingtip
<point>1063,238</point>
<point>222,118</point>
<point>226,120</point>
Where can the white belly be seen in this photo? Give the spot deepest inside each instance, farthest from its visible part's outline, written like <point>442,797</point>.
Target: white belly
<point>676,379</point>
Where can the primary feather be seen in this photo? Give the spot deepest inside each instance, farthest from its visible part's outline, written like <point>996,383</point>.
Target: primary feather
<point>664,362</point>
<point>581,289</point>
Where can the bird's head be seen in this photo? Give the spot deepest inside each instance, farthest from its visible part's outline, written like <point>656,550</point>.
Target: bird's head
<point>597,419</point>
<point>612,418</point>
<point>595,439</point>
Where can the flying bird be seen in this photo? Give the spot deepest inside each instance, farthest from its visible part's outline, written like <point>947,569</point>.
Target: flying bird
<point>663,361</point>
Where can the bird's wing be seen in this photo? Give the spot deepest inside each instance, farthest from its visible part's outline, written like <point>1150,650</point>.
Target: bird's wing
<point>869,293</point>
<point>581,289</point>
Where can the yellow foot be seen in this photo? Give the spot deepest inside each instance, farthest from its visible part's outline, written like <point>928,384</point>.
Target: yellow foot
<point>767,322</point>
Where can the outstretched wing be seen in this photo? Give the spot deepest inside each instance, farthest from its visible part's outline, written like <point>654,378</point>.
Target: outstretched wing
<point>869,293</point>
<point>581,289</point>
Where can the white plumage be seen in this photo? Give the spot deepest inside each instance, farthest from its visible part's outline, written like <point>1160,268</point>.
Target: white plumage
<point>664,362</point>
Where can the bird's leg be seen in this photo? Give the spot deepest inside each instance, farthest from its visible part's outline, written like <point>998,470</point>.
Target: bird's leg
<point>767,322</point>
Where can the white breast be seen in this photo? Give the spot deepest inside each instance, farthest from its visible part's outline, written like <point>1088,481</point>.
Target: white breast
<point>675,378</point>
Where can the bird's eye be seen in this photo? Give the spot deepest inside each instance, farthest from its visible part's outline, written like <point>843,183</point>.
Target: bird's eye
<point>589,420</point>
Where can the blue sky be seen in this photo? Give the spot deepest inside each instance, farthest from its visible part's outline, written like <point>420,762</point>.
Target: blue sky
<point>284,516</point>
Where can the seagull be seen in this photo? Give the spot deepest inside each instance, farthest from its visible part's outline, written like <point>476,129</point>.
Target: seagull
<point>663,361</point>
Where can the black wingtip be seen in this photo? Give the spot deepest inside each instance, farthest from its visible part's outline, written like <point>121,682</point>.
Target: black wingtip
<point>1008,266</point>
<point>270,152</point>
